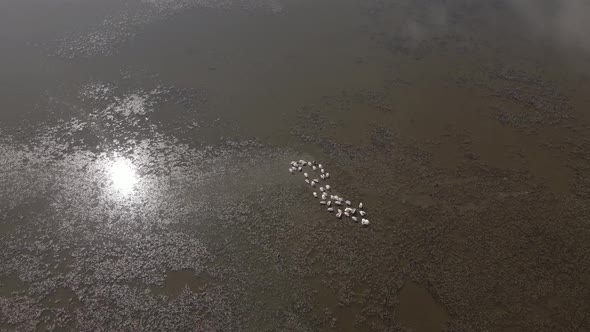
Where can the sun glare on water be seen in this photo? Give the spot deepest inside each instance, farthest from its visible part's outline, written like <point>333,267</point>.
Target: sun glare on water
<point>123,176</point>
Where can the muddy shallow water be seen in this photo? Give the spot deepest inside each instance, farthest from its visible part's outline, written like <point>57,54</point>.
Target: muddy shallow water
<point>144,149</point>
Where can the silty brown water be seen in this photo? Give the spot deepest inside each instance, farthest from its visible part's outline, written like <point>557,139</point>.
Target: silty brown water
<point>144,147</point>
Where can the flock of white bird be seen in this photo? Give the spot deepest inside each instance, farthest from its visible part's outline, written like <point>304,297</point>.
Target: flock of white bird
<point>333,202</point>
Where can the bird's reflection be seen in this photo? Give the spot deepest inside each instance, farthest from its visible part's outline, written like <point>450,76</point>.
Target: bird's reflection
<point>123,175</point>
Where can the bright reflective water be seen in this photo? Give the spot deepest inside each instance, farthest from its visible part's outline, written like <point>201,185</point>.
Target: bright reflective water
<point>144,148</point>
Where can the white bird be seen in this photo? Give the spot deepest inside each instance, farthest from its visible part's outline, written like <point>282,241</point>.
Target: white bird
<point>331,201</point>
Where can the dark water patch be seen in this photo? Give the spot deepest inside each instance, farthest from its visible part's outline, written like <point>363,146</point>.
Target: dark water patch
<point>418,311</point>
<point>177,281</point>
<point>11,285</point>
<point>61,298</point>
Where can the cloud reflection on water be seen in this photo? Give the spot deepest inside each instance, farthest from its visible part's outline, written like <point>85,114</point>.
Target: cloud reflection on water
<point>563,20</point>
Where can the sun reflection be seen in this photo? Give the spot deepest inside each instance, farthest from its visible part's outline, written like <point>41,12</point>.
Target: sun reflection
<point>123,175</point>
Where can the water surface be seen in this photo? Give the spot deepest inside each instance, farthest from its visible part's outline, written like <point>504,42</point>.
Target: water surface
<point>144,148</point>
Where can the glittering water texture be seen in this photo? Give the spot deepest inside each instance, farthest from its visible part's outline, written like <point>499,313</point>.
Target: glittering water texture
<point>144,147</point>
<point>102,221</point>
<point>116,29</point>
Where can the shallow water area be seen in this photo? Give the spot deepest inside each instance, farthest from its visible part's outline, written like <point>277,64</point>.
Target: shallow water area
<point>144,147</point>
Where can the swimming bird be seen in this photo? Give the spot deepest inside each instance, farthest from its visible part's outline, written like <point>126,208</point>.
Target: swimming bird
<point>331,201</point>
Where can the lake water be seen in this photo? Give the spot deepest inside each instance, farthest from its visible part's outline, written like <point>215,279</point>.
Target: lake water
<point>145,148</point>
